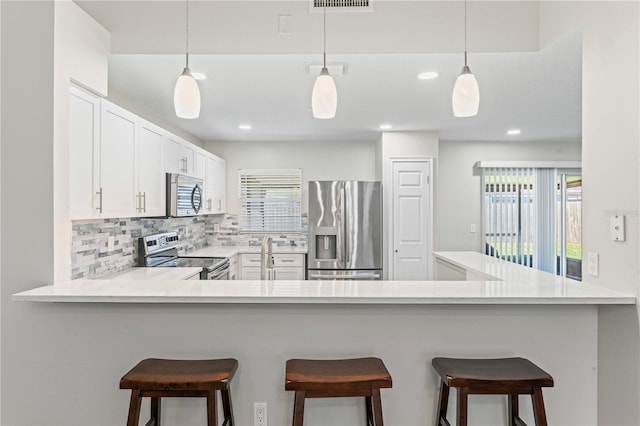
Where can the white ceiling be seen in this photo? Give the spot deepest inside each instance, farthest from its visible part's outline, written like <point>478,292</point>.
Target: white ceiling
<point>265,83</point>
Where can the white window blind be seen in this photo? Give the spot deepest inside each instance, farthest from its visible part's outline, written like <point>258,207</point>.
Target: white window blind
<point>509,213</point>
<point>270,200</point>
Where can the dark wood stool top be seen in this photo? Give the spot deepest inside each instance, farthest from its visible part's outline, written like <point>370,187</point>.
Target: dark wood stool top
<point>171,374</point>
<point>501,372</point>
<point>336,374</point>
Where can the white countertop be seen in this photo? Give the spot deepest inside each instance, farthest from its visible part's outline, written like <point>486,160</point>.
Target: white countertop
<point>514,284</point>
<point>228,251</point>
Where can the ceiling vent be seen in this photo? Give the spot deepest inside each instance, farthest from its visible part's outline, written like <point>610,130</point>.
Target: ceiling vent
<point>342,5</point>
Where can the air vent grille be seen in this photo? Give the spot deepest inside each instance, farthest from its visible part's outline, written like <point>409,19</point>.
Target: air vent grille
<point>342,4</point>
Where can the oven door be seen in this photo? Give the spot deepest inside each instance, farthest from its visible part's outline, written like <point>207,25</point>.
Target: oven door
<point>220,274</point>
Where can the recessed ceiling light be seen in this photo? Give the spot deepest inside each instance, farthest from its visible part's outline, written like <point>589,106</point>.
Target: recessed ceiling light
<point>244,127</point>
<point>513,131</point>
<point>199,76</point>
<point>428,75</point>
<point>385,127</point>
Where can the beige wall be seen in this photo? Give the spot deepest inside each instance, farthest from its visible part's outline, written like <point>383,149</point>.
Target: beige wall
<point>610,157</point>
<point>321,160</point>
<point>459,203</point>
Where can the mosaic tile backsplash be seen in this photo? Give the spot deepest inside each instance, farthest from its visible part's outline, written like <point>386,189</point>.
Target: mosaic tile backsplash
<point>91,259</point>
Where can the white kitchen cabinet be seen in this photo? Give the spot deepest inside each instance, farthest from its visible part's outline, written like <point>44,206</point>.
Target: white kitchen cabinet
<point>84,145</point>
<point>234,267</point>
<point>215,184</point>
<point>118,148</point>
<point>200,163</point>
<point>150,194</point>
<point>288,266</point>
<point>179,155</point>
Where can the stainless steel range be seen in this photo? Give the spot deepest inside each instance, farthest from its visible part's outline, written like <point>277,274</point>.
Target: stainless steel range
<point>161,250</point>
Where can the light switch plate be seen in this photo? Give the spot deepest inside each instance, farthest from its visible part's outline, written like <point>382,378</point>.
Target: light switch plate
<point>617,228</point>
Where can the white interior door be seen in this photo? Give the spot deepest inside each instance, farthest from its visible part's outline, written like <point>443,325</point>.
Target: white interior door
<point>411,220</point>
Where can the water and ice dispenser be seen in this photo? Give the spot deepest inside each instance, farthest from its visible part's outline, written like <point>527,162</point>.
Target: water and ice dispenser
<point>325,247</point>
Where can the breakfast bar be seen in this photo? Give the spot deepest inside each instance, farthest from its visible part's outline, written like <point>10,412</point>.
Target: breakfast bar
<point>523,312</point>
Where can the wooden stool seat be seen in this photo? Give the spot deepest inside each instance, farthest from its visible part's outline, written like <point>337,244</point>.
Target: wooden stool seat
<point>362,377</point>
<point>505,376</point>
<point>157,378</point>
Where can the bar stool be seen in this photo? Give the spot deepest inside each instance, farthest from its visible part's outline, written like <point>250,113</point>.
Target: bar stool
<point>506,376</point>
<point>338,378</point>
<point>157,378</point>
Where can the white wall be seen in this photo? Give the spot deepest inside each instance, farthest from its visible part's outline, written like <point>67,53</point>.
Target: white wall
<point>459,201</point>
<point>610,157</point>
<point>81,54</point>
<point>321,160</point>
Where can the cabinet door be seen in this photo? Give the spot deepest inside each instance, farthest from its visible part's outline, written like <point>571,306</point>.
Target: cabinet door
<point>174,161</point>
<point>289,274</point>
<point>151,176</point>
<point>220,196</point>
<point>188,151</point>
<point>250,273</point>
<point>84,144</point>
<point>118,180</point>
<point>234,268</point>
<point>200,164</point>
<point>210,183</point>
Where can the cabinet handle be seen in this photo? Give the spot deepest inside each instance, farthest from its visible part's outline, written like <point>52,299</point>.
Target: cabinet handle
<point>287,260</point>
<point>99,193</point>
<point>209,204</point>
<point>219,205</point>
<point>144,201</point>
<point>138,202</point>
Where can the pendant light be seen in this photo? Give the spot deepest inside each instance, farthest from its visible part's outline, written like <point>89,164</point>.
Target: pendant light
<point>466,94</point>
<point>186,96</point>
<point>324,98</point>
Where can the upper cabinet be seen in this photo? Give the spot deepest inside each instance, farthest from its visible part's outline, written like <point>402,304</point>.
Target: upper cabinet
<point>179,155</point>
<point>84,143</point>
<point>119,161</point>
<point>215,184</point>
<point>151,194</point>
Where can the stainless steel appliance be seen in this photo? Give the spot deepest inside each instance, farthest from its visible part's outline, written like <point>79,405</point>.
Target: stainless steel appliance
<point>345,230</point>
<point>184,195</point>
<point>161,250</point>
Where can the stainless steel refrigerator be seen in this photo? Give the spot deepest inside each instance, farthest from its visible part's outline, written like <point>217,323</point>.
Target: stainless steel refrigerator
<point>345,230</point>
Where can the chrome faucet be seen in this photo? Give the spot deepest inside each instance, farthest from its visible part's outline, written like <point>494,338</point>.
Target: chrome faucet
<point>267,263</point>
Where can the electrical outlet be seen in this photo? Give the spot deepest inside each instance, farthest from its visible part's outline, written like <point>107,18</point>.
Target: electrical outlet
<point>111,243</point>
<point>259,414</point>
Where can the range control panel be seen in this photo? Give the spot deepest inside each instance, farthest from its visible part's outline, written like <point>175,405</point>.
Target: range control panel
<point>159,242</point>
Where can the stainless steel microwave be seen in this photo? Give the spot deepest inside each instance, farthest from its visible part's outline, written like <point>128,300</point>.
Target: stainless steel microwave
<point>184,195</point>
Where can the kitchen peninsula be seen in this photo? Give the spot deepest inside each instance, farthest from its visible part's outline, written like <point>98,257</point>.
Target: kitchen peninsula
<point>514,311</point>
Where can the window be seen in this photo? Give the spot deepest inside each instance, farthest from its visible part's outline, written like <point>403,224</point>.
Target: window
<point>531,214</point>
<point>270,200</point>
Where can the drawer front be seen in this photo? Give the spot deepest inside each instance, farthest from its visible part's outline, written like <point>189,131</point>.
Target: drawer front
<point>250,259</point>
<point>289,259</point>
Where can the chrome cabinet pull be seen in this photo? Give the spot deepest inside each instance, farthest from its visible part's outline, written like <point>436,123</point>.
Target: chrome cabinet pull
<point>219,205</point>
<point>144,201</point>
<point>99,193</point>
<point>209,204</point>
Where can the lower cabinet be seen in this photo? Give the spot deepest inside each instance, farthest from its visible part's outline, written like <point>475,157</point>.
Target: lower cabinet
<point>234,267</point>
<point>289,266</point>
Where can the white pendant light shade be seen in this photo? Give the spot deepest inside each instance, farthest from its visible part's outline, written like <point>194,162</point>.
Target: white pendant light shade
<point>466,95</point>
<point>324,98</point>
<point>186,96</point>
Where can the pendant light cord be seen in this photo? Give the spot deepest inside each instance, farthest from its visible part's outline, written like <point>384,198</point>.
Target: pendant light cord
<point>324,33</point>
<point>465,33</point>
<point>187,26</point>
